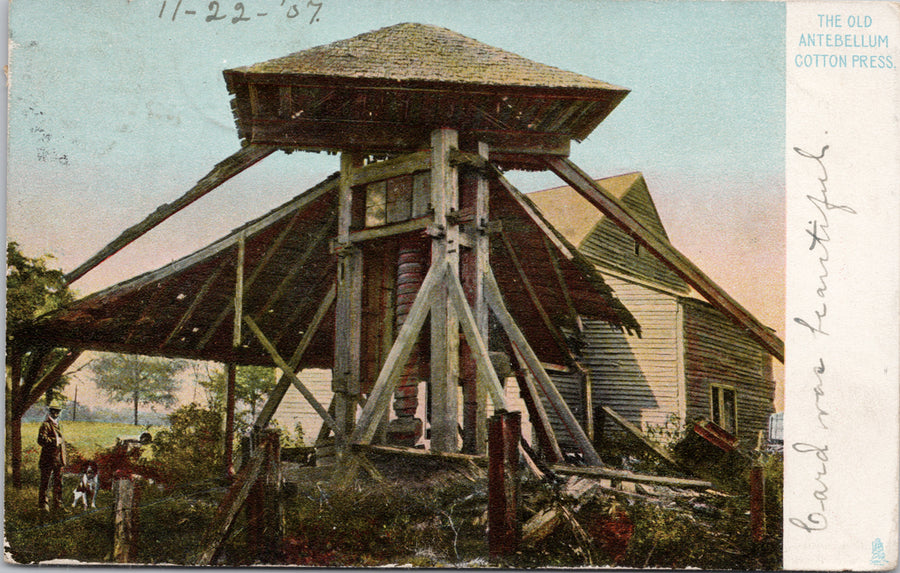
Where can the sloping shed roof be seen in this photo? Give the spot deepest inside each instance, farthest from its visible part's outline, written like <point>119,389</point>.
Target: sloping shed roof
<point>186,309</point>
<point>599,238</point>
<point>386,90</point>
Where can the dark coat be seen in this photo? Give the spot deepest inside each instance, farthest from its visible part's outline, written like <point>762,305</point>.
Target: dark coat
<point>51,453</point>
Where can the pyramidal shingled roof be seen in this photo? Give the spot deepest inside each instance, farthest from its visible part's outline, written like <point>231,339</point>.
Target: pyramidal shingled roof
<point>420,52</point>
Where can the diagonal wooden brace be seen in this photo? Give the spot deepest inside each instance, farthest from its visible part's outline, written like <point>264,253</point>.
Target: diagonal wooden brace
<point>277,393</point>
<point>288,371</point>
<point>665,252</point>
<point>517,338</point>
<point>379,398</point>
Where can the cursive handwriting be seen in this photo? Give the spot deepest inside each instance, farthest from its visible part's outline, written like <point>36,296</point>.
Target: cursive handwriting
<point>818,232</point>
<point>815,521</point>
<point>819,391</point>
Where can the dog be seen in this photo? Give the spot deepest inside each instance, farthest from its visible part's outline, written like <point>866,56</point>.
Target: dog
<point>86,490</point>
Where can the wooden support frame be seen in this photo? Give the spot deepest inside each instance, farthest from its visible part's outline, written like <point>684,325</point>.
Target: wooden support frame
<point>665,252</point>
<point>277,393</point>
<point>475,423</point>
<point>288,371</point>
<point>519,342</point>
<point>379,398</point>
<point>396,167</point>
<point>221,173</point>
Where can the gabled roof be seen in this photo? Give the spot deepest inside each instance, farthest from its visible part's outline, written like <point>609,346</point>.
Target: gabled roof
<point>601,240</point>
<point>186,309</point>
<point>420,52</point>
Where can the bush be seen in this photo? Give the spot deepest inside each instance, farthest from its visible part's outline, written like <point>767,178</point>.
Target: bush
<point>190,449</point>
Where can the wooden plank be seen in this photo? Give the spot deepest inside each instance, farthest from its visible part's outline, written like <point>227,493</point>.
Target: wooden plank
<point>482,249</point>
<point>606,473</point>
<point>387,230</point>
<point>279,361</point>
<point>396,167</point>
<point>636,432</point>
<point>379,398</point>
<point>487,376</point>
<point>230,506</point>
<point>277,393</point>
<point>444,322</point>
<point>420,453</point>
<point>221,173</point>
<point>238,292</point>
<point>665,252</point>
<point>563,286</point>
<point>517,339</point>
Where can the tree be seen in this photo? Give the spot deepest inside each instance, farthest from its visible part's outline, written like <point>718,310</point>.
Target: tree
<point>252,384</point>
<point>138,379</point>
<point>32,288</point>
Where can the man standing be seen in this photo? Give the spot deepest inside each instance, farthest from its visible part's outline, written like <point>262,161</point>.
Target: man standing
<point>53,458</point>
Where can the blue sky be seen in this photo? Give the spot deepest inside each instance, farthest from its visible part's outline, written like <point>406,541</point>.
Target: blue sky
<point>116,110</point>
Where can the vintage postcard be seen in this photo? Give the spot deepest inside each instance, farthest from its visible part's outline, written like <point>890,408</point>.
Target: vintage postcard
<point>459,284</point>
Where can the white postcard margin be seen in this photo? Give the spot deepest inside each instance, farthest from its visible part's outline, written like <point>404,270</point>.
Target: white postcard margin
<point>843,258</point>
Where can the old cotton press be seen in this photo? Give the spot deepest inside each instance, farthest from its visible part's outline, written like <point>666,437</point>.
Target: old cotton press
<point>421,116</point>
<point>418,274</point>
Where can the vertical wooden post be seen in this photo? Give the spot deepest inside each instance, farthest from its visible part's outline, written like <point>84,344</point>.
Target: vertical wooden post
<point>228,453</point>
<point>474,421</point>
<point>444,322</point>
<point>265,513</point>
<point>757,503</point>
<point>348,310</point>
<point>504,531</point>
<point>124,521</point>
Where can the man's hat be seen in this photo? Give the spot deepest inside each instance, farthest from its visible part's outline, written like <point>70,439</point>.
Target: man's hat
<point>56,405</point>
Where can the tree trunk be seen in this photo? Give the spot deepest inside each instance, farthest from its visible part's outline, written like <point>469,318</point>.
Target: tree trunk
<point>135,408</point>
<point>15,438</point>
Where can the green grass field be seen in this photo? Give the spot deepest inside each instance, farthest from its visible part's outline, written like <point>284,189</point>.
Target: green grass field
<point>87,437</point>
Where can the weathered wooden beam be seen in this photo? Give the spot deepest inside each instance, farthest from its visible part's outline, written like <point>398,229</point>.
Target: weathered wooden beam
<point>482,248</point>
<point>486,373</point>
<point>221,173</point>
<point>418,453</point>
<point>444,322</point>
<point>401,228</point>
<point>537,413</point>
<point>277,393</point>
<point>666,253</point>
<point>379,398</point>
<point>636,432</point>
<point>563,286</point>
<point>597,472</point>
<point>395,167</point>
<point>520,343</point>
<point>279,361</point>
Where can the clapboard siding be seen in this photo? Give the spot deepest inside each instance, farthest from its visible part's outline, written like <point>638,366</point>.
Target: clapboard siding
<point>294,407</point>
<point>718,352</point>
<point>636,377</point>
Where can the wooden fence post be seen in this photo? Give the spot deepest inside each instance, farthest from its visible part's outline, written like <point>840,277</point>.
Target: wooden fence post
<point>125,520</point>
<point>757,503</point>
<point>265,513</point>
<point>504,531</point>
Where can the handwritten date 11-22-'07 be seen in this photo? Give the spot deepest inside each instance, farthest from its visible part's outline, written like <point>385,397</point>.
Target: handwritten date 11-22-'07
<point>216,12</point>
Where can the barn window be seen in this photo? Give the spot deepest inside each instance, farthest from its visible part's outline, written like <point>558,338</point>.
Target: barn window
<point>723,407</point>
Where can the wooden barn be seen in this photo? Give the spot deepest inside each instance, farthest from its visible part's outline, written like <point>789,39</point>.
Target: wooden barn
<point>691,362</point>
<point>417,274</point>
